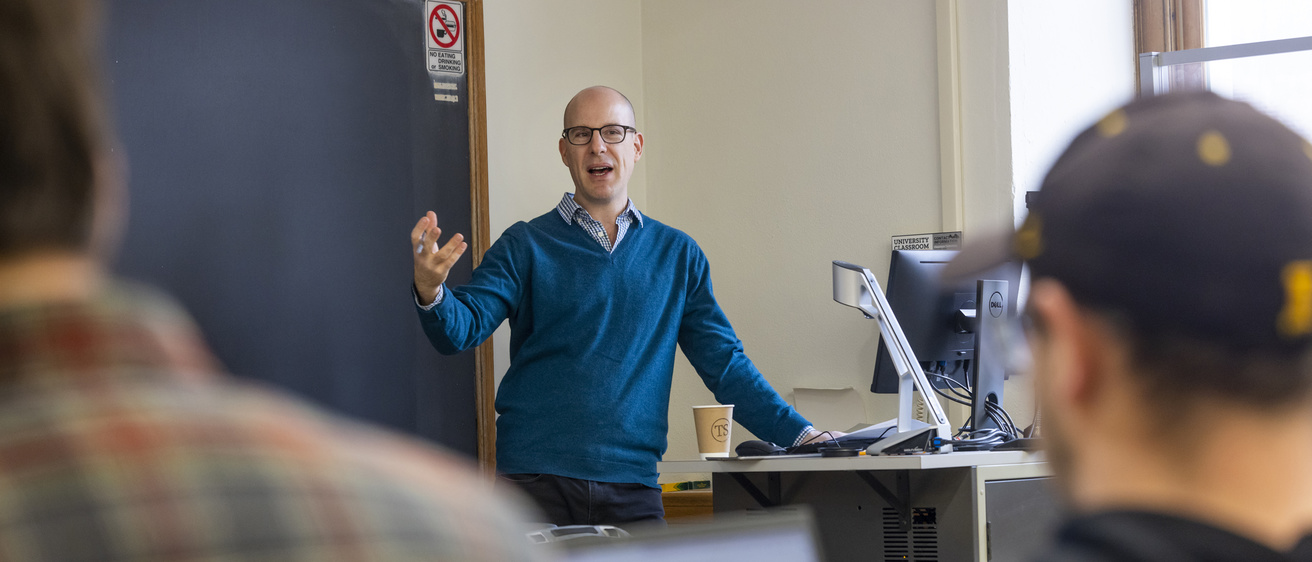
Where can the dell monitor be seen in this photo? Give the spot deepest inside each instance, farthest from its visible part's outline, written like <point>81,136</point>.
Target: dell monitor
<point>943,338</point>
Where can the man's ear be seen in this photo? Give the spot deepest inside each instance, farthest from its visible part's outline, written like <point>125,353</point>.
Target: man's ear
<point>637,147</point>
<point>563,148</point>
<point>1075,344</point>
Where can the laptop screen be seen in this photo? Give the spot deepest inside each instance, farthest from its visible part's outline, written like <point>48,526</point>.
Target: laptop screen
<point>785,535</point>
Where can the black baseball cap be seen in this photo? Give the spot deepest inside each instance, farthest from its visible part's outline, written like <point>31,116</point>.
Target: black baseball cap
<point>1189,214</point>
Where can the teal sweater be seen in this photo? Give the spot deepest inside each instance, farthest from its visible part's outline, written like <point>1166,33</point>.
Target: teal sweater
<point>592,339</point>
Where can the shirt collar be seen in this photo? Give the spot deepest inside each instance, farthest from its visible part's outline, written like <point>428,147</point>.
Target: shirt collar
<point>568,209</point>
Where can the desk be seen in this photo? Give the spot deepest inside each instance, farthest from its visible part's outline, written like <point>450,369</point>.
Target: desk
<point>972,506</point>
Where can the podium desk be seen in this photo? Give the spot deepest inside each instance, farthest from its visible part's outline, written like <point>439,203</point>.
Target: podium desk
<point>967,506</point>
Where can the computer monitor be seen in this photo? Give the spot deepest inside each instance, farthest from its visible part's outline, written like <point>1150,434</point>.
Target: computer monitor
<point>928,310</point>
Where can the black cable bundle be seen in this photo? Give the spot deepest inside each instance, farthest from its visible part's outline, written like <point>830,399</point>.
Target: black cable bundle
<point>968,438</point>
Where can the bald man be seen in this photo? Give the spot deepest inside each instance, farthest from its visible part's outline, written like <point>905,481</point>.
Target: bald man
<point>598,295</point>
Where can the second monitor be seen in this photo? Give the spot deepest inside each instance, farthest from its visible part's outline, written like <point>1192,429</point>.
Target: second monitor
<point>944,342</point>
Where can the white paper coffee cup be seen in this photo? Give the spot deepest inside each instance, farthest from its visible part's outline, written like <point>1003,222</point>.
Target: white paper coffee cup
<point>714,425</point>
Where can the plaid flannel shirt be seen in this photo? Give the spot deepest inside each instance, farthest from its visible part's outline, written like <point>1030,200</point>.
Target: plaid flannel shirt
<point>119,442</point>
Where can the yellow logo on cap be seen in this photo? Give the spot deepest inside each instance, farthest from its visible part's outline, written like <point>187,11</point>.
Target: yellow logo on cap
<point>1113,124</point>
<point>1213,149</point>
<point>1296,318</point>
<point>1029,240</point>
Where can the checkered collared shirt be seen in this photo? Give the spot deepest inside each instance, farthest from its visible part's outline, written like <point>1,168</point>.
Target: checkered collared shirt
<point>572,213</point>
<point>118,441</point>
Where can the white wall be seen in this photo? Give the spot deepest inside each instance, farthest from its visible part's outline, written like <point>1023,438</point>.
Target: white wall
<point>985,114</point>
<point>1064,77</point>
<point>539,54</point>
<point>781,139</point>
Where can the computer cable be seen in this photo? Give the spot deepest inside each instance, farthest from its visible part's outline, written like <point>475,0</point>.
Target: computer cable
<point>980,440</point>
<point>958,396</point>
<point>1000,418</point>
<point>960,391</point>
<point>995,412</point>
<point>998,421</point>
<point>1011,425</point>
<point>957,388</point>
<point>961,395</point>
<point>965,398</point>
<point>843,442</point>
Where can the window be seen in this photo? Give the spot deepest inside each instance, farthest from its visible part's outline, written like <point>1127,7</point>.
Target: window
<point>1278,84</point>
<point>1257,51</point>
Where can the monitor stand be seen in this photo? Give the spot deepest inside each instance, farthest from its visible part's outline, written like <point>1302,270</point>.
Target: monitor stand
<point>919,440</point>
<point>855,286</point>
<point>989,368</point>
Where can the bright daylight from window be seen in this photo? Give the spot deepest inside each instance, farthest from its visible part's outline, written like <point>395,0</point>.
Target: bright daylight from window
<point>1278,84</point>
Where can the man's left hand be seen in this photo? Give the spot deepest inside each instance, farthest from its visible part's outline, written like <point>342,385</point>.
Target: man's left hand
<point>815,436</point>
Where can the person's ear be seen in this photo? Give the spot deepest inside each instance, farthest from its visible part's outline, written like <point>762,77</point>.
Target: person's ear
<point>563,147</point>
<point>1075,345</point>
<point>637,146</point>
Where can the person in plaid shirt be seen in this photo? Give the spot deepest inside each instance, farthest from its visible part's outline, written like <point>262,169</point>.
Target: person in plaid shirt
<point>119,437</point>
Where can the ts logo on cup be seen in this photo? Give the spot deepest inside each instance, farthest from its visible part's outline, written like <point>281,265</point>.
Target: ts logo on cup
<point>720,429</point>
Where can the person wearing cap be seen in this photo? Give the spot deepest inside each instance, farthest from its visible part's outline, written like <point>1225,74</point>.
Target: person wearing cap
<point>598,295</point>
<point>1170,319</point>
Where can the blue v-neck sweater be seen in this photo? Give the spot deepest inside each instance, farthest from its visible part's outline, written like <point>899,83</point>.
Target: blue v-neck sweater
<point>592,338</point>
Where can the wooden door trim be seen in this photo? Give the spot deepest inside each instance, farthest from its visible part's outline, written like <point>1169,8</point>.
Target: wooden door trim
<point>481,237</point>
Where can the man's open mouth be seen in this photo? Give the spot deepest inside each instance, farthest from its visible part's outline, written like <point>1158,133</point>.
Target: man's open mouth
<point>599,170</point>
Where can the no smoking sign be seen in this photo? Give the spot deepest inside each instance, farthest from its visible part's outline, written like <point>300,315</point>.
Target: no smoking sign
<point>444,29</point>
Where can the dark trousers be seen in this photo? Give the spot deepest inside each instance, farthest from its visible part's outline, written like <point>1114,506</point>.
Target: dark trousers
<point>570,501</point>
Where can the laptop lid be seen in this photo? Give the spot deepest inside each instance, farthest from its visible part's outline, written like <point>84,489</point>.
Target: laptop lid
<point>785,534</point>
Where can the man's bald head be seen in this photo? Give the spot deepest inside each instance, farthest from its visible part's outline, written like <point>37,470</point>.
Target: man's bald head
<point>598,95</point>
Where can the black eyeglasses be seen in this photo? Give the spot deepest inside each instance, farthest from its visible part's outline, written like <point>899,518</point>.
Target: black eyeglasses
<point>610,134</point>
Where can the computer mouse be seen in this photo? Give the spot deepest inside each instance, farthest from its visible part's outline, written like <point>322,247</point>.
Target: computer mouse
<point>757,448</point>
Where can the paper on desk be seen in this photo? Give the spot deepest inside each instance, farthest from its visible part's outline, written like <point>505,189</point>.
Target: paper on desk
<point>830,409</point>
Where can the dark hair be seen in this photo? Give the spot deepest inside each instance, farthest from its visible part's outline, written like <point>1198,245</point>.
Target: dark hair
<point>1179,371</point>
<point>1177,368</point>
<point>51,123</point>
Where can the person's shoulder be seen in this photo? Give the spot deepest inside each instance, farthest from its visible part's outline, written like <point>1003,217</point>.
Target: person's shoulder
<point>521,236</point>
<point>244,436</point>
<point>546,224</point>
<point>548,219</point>
<point>1143,536</point>
<point>371,466</point>
<point>664,231</point>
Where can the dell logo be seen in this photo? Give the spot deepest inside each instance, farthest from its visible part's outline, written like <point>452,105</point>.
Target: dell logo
<point>996,304</point>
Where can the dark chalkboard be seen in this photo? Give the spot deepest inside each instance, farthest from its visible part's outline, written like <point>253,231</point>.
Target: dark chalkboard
<point>279,153</point>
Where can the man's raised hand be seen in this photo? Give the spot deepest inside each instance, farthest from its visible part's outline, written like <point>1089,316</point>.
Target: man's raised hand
<point>433,263</point>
